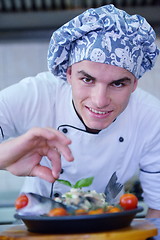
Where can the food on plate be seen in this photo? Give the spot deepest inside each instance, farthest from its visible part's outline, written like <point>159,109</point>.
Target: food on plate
<point>58,212</point>
<point>80,199</point>
<point>96,211</point>
<point>80,211</point>
<point>74,202</point>
<point>34,204</point>
<point>88,202</point>
<point>21,202</point>
<point>84,182</point>
<point>114,209</point>
<point>128,201</point>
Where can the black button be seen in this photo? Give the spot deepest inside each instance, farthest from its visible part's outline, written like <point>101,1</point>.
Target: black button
<point>121,139</point>
<point>64,130</point>
<point>62,171</point>
<point>56,194</point>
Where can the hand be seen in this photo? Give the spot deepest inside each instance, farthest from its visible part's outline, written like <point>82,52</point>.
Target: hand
<point>22,155</point>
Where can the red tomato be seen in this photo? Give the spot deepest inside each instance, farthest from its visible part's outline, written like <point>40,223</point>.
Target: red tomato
<point>80,212</point>
<point>128,201</point>
<point>114,209</point>
<point>96,211</point>
<point>57,212</point>
<point>21,201</point>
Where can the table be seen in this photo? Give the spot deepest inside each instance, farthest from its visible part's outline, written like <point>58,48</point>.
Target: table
<point>140,229</point>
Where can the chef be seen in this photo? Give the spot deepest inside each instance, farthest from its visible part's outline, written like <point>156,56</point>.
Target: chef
<point>86,117</point>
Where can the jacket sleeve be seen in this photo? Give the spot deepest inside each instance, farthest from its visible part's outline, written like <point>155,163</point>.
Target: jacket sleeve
<point>150,164</point>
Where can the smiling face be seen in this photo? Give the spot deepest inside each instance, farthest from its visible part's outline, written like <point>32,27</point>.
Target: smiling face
<point>100,92</point>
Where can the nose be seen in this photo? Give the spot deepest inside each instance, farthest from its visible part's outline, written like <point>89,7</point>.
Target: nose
<point>101,97</point>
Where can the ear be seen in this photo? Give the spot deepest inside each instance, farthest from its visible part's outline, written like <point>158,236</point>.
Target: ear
<point>68,74</point>
<point>135,84</point>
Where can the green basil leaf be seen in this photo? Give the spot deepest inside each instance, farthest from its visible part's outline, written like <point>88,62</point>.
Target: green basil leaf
<point>85,182</point>
<point>65,182</point>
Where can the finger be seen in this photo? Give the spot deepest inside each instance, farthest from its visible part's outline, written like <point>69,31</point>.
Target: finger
<point>42,172</point>
<point>62,149</point>
<point>35,134</point>
<point>58,140</point>
<point>52,134</point>
<point>61,142</point>
<point>55,159</point>
<point>66,152</point>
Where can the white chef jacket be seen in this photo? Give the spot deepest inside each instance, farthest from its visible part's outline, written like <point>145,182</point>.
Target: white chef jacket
<point>131,142</point>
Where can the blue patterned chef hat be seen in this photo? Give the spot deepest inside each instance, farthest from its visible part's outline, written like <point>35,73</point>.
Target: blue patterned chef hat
<point>106,35</point>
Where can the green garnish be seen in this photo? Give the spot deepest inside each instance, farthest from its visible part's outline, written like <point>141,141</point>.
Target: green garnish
<point>65,182</point>
<point>84,182</point>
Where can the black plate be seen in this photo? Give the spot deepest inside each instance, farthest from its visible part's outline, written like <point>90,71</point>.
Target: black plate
<point>79,224</point>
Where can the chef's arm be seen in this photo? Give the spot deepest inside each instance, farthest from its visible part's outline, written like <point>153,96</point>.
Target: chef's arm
<point>22,155</point>
<point>153,213</point>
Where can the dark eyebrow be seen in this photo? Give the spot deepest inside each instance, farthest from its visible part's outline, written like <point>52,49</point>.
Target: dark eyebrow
<point>125,79</point>
<point>86,75</point>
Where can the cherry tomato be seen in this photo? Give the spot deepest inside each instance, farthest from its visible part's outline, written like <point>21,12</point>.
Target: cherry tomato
<point>114,209</point>
<point>80,212</point>
<point>21,202</point>
<point>128,201</point>
<point>57,212</point>
<point>96,211</point>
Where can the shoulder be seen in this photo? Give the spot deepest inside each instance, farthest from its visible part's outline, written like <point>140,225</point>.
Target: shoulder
<point>145,99</point>
<point>43,80</point>
<point>145,110</point>
<point>42,85</point>
<point>144,102</point>
<point>32,94</point>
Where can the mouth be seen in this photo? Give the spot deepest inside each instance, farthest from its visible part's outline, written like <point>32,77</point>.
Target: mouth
<point>99,112</point>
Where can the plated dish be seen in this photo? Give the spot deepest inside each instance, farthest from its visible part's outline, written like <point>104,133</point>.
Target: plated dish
<point>76,211</point>
<point>79,224</point>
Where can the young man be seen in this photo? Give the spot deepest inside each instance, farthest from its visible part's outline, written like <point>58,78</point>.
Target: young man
<point>87,118</point>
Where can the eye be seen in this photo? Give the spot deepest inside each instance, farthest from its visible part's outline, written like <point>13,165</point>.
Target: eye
<point>118,84</point>
<point>87,80</point>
